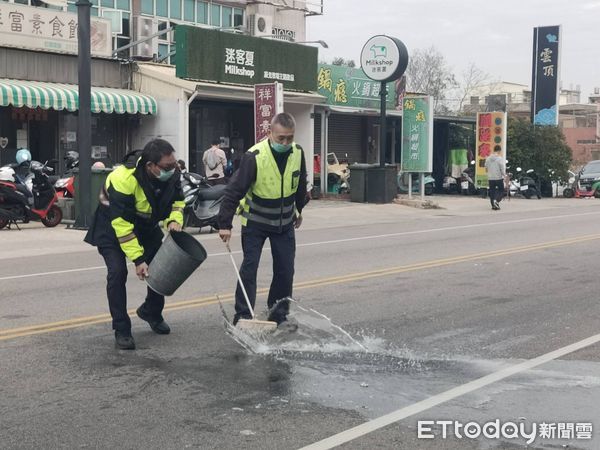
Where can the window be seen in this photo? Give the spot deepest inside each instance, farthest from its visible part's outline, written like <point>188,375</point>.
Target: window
<point>202,13</point>
<point>215,15</point>
<point>123,5</point>
<point>188,10</point>
<point>107,3</point>
<point>125,24</point>
<point>238,17</point>
<point>163,50</point>
<point>116,20</point>
<point>226,21</point>
<point>162,8</point>
<point>148,7</point>
<point>175,9</point>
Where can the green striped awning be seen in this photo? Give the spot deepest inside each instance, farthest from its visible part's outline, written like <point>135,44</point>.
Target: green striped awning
<point>34,94</point>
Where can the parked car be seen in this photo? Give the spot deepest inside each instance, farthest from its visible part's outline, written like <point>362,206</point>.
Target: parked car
<point>588,180</point>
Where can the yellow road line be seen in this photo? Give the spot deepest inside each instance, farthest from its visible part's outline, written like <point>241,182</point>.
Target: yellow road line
<point>227,298</point>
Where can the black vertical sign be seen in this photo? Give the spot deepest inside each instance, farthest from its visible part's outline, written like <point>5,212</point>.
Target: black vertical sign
<point>545,75</point>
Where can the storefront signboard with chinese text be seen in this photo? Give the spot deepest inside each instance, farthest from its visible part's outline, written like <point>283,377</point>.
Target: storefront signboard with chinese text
<point>49,30</point>
<point>268,102</point>
<point>217,56</point>
<point>491,134</point>
<point>545,76</point>
<point>417,134</point>
<point>349,86</point>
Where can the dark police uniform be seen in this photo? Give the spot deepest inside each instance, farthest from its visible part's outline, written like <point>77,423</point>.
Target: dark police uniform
<point>269,192</point>
<point>126,226</point>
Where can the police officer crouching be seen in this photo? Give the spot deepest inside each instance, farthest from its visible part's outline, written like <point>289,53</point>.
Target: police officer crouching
<point>134,199</point>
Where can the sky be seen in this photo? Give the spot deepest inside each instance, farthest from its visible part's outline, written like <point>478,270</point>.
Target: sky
<point>496,36</point>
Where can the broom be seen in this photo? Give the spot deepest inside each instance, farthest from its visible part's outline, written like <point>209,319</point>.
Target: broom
<point>253,325</point>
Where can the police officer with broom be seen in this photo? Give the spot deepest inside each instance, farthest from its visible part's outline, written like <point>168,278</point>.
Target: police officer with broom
<point>268,192</point>
<point>134,199</point>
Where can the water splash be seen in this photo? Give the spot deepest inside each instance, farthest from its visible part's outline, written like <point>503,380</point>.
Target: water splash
<point>311,336</point>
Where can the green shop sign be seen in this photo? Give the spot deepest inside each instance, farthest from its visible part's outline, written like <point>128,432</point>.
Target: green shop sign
<point>217,56</point>
<point>417,134</point>
<point>349,86</point>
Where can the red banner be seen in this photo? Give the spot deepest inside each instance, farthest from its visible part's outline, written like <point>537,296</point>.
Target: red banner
<point>268,101</point>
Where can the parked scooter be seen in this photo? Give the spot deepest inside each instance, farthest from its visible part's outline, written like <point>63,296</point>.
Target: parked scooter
<point>467,184</point>
<point>202,201</point>
<point>528,185</point>
<point>15,205</point>
<point>451,185</point>
<point>65,187</point>
<point>416,184</point>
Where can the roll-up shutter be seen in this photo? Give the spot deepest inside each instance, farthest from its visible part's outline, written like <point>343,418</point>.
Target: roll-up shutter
<point>346,136</point>
<point>317,139</point>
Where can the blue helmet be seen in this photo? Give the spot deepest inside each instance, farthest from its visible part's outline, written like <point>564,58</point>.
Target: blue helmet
<point>23,155</point>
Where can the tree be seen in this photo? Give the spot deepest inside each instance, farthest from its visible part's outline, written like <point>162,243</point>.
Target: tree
<point>428,73</point>
<point>541,148</point>
<point>339,61</point>
<point>471,78</point>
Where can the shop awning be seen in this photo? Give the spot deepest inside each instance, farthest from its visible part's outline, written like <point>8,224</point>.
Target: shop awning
<point>37,94</point>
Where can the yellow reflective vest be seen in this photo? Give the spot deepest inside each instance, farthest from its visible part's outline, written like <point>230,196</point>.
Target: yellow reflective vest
<point>130,208</point>
<point>271,200</point>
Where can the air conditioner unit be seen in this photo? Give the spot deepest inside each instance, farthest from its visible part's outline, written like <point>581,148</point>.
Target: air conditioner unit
<point>144,27</point>
<point>260,25</point>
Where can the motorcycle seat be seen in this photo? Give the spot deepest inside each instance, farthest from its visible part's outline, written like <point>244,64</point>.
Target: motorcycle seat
<point>212,193</point>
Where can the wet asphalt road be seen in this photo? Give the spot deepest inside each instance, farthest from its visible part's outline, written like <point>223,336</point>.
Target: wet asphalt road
<point>438,299</point>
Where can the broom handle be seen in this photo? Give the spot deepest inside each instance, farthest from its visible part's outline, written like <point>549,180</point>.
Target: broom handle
<point>237,272</point>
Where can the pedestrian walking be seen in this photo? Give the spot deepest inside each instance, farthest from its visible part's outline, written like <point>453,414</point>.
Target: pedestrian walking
<point>215,161</point>
<point>134,199</point>
<point>269,192</point>
<point>496,172</point>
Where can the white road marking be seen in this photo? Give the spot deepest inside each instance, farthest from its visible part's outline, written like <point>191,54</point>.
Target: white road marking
<point>388,419</point>
<point>335,241</point>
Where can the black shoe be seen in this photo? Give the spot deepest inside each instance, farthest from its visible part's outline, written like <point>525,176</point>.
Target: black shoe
<point>124,341</point>
<point>158,326</point>
<point>279,311</point>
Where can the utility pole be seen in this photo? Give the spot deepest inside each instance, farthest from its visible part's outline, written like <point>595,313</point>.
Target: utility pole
<point>84,120</point>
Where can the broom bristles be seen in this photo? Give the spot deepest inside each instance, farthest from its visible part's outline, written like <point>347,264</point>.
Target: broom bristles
<point>255,325</point>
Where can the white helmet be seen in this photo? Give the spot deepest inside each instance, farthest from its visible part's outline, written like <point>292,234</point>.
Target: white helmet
<point>7,174</point>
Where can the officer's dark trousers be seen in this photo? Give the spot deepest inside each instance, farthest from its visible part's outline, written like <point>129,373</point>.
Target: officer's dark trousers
<point>116,263</point>
<point>283,251</point>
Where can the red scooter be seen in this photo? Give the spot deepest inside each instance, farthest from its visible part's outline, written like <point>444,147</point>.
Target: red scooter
<point>65,187</point>
<point>17,203</point>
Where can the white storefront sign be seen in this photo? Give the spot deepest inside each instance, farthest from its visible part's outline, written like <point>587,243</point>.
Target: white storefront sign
<point>49,30</point>
<point>384,58</point>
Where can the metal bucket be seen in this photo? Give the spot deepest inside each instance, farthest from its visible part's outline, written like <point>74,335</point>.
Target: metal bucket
<point>179,255</point>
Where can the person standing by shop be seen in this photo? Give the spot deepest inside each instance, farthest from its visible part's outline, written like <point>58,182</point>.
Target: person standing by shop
<point>214,160</point>
<point>269,192</point>
<point>496,172</point>
<point>135,198</point>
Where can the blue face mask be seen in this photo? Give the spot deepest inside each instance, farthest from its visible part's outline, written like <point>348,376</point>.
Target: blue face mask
<point>281,148</point>
<point>165,175</point>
